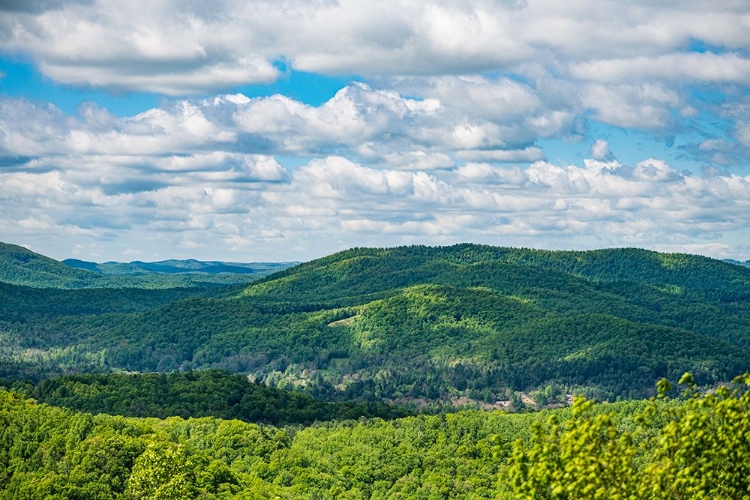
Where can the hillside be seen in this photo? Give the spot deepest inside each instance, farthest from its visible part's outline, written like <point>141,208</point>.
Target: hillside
<point>417,324</point>
<point>20,266</point>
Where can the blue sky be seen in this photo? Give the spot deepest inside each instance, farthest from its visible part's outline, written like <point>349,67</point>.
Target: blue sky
<point>286,131</point>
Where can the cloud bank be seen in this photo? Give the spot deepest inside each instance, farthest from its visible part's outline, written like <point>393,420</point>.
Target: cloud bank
<point>442,135</point>
<point>376,168</point>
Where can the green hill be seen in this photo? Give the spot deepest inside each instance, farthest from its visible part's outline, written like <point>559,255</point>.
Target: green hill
<point>418,324</point>
<point>24,267</point>
<point>208,393</point>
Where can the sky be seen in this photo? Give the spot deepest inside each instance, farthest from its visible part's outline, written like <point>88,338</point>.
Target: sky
<point>277,130</point>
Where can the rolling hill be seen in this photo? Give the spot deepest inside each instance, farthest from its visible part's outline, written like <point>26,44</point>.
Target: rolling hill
<point>415,324</point>
<point>21,266</point>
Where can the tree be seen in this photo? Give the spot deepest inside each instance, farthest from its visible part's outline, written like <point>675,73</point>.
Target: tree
<point>701,451</point>
<point>162,472</point>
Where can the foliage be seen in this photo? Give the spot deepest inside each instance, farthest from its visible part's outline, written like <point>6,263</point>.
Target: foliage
<point>47,452</point>
<point>198,394</point>
<point>701,451</point>
<point>691,447</point>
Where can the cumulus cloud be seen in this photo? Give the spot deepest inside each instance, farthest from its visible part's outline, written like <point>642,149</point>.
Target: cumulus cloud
<point>699,67</point>
<point>645,106</point>
<point>379,127</point>
<point>554,67</point>
<point>254,205</point>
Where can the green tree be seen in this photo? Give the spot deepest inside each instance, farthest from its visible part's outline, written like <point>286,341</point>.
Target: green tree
<point>701,451</point>
<point>162,472</point>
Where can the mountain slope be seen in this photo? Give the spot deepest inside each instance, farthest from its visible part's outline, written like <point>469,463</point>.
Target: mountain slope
<point>429,324</point>
<point>366,270</point>
<point>24,267</point>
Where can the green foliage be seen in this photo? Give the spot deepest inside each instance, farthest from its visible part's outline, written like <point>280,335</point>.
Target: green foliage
<point>691,447</point>
<point>162,472</point>
<point>586,459</point>
<point>198,394</point>
<point>45,451</point>
<point>697,449</point>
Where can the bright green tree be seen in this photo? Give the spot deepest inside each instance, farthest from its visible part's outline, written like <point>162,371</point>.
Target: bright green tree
<point>162,472</point>
<point>702,451</point>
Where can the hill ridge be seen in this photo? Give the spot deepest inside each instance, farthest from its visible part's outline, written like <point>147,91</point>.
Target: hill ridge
<point>424,324</point>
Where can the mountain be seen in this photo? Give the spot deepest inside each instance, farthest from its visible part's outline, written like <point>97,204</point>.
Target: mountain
<point>20,266</point>
<point>138,268</point>
<point>465,323</point>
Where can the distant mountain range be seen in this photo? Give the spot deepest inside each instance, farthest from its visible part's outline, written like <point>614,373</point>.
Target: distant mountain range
<point>449,324</point>
<point>738,262</point>
<point>138,268</point>
<point>21,266</point>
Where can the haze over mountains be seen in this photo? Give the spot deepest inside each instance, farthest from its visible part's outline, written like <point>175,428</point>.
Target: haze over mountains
<point>408,324</point>
<point>172,266</point>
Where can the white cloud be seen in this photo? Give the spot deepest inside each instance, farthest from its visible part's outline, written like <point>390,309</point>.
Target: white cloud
<point>645,106</point>
<point>332,202</point>
<point>528,154</point>
<point>600,150</point>
<point>700,67</point>
<point>742,132</point>
<point>555,66</point>
<point>453,91</point>
<point>377,126</point>
<point>654,170</point>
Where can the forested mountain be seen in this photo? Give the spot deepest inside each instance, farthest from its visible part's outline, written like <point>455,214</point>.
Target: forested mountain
<point>24,267</point>
<point>411,324</point>
<point>20,266</point>
<point>461,325</point>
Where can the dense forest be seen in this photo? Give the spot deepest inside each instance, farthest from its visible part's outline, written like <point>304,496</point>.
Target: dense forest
<point>208,393</point>
<point>695,446</point>
<point>376,373</point>
<point>413,325</point>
